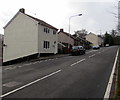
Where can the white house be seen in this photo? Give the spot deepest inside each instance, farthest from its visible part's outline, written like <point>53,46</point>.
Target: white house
<point>25,35</point>
<point>94,39</point>
<point>1,39</point>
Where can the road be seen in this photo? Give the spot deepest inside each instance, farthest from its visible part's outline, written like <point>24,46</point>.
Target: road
<point>84,76</point>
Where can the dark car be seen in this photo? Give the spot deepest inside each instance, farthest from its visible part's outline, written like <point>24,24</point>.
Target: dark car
<point>77,50</point>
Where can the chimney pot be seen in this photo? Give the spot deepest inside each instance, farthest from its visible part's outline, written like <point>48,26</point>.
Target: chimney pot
<point>61,30</point>
<point>22,10</point>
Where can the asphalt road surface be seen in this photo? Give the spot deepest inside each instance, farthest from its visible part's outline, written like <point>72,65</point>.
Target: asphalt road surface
<point>84,76</point>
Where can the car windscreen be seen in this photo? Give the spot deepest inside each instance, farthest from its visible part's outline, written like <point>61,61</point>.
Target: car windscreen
<point>76,47</point>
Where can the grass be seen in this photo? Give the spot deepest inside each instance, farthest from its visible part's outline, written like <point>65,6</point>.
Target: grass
<point>118,79</point>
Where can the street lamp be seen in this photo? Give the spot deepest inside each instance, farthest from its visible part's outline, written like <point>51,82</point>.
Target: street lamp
<point>69,24</point>
<point>72,17</point>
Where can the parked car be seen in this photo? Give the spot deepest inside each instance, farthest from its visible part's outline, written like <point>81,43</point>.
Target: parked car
<point>96,47</point>
<point>77,50</point>
<point>107,45</point>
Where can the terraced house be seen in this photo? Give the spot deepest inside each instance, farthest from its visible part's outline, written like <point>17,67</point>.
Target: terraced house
<point>26,36</point>
<point>66,41</point>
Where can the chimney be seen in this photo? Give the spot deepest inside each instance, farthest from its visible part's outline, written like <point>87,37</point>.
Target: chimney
<point>22,10</point>
<point>61,30</point>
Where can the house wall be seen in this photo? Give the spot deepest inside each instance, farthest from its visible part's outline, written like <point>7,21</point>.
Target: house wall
<point>100,41</point>
<point>1,37</point>
<point>43,36</point>
<point>64,38</point>
<point>20,38</point>
<point>92,38</point>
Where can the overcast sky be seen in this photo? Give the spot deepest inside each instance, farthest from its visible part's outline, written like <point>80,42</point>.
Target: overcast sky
<point>96,14</point>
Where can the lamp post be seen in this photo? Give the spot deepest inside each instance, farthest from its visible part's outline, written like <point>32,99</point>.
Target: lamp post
<point>72,17</point>
<point>69,25</point>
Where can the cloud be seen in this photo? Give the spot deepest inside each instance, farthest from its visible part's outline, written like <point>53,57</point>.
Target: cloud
<point>94,0</point>
<point>57,13</point>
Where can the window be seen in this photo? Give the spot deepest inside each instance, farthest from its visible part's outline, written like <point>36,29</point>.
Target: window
<point>46,30</point>
<point>46,44</point>
<point>54,32</point>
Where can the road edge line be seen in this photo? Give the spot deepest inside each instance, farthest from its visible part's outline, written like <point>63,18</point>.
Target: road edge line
<point>108,89</point>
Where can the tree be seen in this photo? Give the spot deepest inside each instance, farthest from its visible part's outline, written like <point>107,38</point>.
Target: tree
<point>117,40</point>
<point>108,39</point>
<point>81,33</point>
<point>113,33</point>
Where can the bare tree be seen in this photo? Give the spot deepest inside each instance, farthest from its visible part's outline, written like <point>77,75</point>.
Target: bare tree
<point>81,33</point>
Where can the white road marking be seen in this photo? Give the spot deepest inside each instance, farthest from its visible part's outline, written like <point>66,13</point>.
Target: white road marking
<point>99,52</point>
<point>77,62</point>
<point>35,62</point>
<point>92,55</point>
<point>11,84</point>
<point>10,68</point>
<point>40,61</point>
<point>27,64</point>
<point>108,89</point>
<point>30,83</point>
<point>20,66</point>
<point>89,51</point>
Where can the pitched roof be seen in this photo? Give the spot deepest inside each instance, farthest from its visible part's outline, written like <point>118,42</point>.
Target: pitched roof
<point>11,20</point>
<point>41,22</point>
<point>67,34</point>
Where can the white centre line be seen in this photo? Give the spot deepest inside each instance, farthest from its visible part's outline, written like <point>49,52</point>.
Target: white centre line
<point>99,52</point>
<point>77,62</point>
<point>35,62</point>
<point>108,89</point>
<point>27,64</point>
<point>92,55</point>
<point>19,66</point>
<point>30,83</point>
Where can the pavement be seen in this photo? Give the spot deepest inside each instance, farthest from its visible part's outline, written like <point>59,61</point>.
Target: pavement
<point>38,59</point>
<point>84,76</point>
<point>44,58</point>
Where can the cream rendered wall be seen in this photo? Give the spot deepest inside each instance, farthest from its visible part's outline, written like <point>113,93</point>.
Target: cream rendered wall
<point>92,38</point>
<point>64,38</point>
<point>99,41</point>
<point>21,38</point>
<point>42,36</point>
